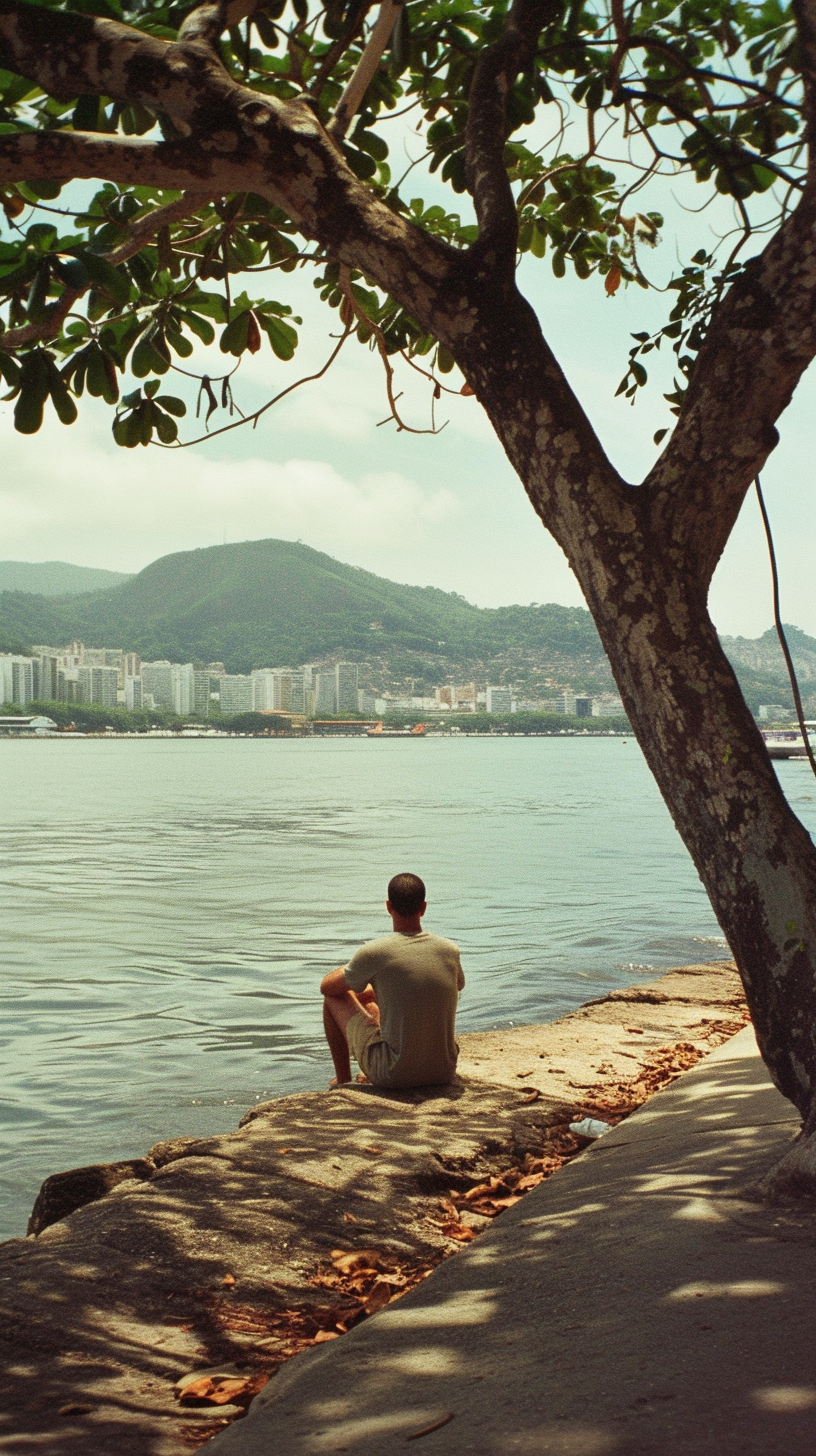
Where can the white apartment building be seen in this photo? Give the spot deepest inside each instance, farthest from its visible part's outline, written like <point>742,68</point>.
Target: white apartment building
<point>608,705</point>
<point>97,684</point>
<point>157,684</point>
<point>346,676</point>
<point>236,693</point>
<point>325,693</point>
<point>182,680</point>
<point>16,679</point>
<point>499,700</point>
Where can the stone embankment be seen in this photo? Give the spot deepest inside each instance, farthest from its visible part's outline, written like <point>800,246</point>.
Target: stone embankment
<point>216,1259</point>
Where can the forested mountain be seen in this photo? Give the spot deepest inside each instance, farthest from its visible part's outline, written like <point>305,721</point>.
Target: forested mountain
<point>56,578</point>
<point>274,603</point>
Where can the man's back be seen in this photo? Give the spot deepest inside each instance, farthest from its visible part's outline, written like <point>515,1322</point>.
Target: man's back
<point>417,979</point>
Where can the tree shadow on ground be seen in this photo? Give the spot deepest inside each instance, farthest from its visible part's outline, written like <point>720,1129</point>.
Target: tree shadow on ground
<point>104,1311</point>
<point>640,1302</point>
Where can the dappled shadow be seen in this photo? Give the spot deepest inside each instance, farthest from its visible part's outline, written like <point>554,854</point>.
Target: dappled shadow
<point>103,1312</point>
<point>637,1303</point>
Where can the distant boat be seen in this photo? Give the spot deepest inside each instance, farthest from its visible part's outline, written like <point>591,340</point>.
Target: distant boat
<point>418,731</point>
<point>787,742</point>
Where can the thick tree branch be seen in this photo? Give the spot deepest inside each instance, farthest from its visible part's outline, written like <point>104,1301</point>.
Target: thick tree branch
<point>128,161</point>
<point>349,103</point>
<point>805,12</point>
<point>761,340</point>
<point>141,232</point>
<point>486,133</point>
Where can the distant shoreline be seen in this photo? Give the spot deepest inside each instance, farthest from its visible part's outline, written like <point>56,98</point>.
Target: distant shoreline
<point>24,736</point>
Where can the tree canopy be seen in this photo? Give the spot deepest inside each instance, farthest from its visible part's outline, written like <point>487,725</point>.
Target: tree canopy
<point>196,115</point>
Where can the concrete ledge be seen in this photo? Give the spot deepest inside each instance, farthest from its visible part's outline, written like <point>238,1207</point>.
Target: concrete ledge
<point>637,1303</point>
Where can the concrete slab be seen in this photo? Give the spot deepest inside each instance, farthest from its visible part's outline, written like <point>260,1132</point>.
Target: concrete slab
<point>636,1303</point>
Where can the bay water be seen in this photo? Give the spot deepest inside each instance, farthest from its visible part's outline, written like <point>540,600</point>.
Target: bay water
<point>169,907</point>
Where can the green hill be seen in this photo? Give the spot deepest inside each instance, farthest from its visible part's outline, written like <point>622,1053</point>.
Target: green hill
<point>55,578</point>
<point>269,603</point>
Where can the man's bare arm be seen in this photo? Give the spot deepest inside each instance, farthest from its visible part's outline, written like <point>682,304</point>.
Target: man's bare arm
<point>335,983</point>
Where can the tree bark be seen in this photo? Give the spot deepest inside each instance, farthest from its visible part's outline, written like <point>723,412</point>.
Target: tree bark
<point>648,599</point>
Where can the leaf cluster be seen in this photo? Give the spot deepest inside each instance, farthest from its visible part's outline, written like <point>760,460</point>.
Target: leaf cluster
<point>611,101</point>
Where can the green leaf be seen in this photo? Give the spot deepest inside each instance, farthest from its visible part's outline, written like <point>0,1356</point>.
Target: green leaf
<point>282,337</point>
<point>235,336</point>
<point>104,276</point>
<point>173,405</point>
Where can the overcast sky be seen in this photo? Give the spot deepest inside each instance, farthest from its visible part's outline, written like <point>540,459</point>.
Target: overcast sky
<point>442,510</point>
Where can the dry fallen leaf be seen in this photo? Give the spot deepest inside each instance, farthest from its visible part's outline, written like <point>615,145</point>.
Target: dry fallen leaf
<point>461,1232</point>
<point>74,1408</point>
<point>531,1096</point>
<point>229,1280</point>
<point>373,1150</point>
<point>323,1335</point>
<point>349,1218</point>
<point>215,1389</point>
<point>347,1261</point>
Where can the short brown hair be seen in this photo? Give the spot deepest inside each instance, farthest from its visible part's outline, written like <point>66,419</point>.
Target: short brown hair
<point>406,894</point>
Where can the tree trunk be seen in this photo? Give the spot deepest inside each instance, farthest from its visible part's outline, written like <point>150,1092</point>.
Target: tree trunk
<point>647,595</point>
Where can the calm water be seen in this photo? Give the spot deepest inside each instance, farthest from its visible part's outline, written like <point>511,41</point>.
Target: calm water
<point>169,907</point>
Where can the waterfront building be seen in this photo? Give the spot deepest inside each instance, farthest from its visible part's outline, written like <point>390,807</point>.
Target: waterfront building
<point>131,665</point>
<point>16,679</point>
<point>325,693</point>
<point>97,684</point>
<point>346,676</point>
<point>68,684</point>
<point>608,705</point>
<point>133,692</point>
<point>157,684</point>
<point>366,701</point>
<point>499,700</point>
<point>183,687</point>
<point>45,675</point>
<point>583,707</point>
<point>236,692</point>
<point>202,691</point>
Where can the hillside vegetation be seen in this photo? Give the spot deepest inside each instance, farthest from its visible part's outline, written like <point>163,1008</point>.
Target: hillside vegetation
<point>56,578</point>
<point>273,603</point>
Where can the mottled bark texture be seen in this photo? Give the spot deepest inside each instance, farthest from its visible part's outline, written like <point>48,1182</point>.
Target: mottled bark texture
<point>643,555</point>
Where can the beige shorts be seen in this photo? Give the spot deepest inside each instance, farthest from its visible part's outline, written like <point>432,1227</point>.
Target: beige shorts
<point>363,1036</point>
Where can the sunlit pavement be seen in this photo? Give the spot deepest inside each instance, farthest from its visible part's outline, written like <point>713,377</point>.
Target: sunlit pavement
<point>636,1303</point>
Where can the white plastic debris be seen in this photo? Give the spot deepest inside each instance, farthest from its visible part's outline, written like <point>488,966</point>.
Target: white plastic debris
<point>590,1127</point>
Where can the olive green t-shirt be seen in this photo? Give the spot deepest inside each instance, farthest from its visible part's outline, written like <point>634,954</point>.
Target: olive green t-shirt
<point>417,980</point>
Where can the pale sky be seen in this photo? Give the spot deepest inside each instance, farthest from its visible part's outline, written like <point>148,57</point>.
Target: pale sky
<point>443,510</point>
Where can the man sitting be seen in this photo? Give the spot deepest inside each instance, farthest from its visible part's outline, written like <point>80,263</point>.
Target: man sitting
<point>393,1006</point>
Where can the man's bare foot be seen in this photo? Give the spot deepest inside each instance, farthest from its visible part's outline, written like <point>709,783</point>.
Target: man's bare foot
<point>361,1077</point>
<point>335,1083</point>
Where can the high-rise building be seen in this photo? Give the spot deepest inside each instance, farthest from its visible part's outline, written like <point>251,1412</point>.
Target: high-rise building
<point>583,707</point>
<point>182,680</point>
<point>345,679</point>
<point>133,692</point>
<point>236,693</point>
<point>499,700</point>
<point>68,685</point>
<point>202,688</point>
<point>98,684</point>
<point>325,693</point>
<point>157,684</point>
<point>16,679</point>
<point>46,677</point>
